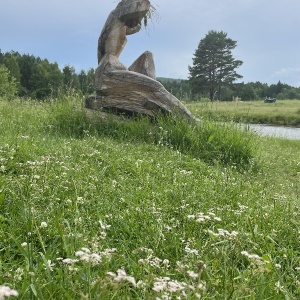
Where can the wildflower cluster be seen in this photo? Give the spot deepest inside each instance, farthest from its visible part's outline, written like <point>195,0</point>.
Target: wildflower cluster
<point>259,264</point>
<point>201,217</point>
<point>152,260</point>
<point>223,233</point>
<point>87,256</point>
<point>168,287</point>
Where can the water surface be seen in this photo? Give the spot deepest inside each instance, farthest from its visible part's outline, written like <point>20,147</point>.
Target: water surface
<point>290,133</point>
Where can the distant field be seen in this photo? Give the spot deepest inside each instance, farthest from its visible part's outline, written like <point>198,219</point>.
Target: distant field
<point>282,112</point>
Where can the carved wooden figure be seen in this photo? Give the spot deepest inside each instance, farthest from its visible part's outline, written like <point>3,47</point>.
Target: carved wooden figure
<point>134,89</point>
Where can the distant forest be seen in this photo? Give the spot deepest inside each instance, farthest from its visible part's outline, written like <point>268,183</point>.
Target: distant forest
<point>244,91</point>
<point>40,79</point>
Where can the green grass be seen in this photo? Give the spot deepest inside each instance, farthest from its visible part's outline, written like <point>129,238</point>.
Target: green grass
<point>185,210</point>
<point>282,112</point>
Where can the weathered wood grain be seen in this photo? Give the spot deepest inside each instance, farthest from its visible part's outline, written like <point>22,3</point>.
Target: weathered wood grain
<point>134,89</point>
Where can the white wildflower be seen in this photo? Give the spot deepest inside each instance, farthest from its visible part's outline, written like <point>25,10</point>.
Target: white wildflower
<point>202,286</point>
<point>44,225</point>
<point>251,256</point>
<point>185,172</point>
<point>114,183</point>
<point>166,263</point>
<point>104,226</point>
<point>80,200</point>
<point>160,285</point>
<point>19,274</point>
<point>108,252</point>
<point>191,251</point>
<point>166,284</point>
<point>141,284</point>
<point>201,217</point>
<point>257,262</point>
<point>192,274</point>
<point>277,266</point>
<point>86,255</point>
<point>49,265</point>
<point>6,291</point>
<point>69,261</point>
<point>168,228</point>
<point>278,287</point>
<point>223,232</point>
<point>138,162</point>
<point>122,276</point>
<point>191,216</point>
<point>87,250</point>
<point>78,221</point>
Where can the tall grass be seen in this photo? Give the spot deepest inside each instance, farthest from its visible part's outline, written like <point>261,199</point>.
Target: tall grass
<point>104,209</point>
<point>211,142</point>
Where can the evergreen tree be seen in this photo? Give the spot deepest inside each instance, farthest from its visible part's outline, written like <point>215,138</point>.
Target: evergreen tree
<point>213,64</point>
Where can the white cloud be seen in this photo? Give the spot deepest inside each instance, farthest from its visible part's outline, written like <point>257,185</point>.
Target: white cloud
<point>290,76</point>
<point>286,72</point>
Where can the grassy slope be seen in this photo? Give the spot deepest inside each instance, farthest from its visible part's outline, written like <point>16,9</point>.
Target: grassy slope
<point>143,207</point>
<point>285,112</point>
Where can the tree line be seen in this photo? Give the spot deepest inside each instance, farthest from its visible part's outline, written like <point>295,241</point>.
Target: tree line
<point>212,76</point>
<point>30,76</point>
<point>182,89</point>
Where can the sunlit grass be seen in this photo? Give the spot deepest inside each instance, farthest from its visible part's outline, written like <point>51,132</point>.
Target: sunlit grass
<point>282,112</point>
<point>105,210</point>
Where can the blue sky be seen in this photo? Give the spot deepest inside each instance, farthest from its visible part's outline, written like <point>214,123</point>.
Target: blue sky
<point>65,31</point>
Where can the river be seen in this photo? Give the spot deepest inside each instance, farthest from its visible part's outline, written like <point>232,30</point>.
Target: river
<point>290,133</point>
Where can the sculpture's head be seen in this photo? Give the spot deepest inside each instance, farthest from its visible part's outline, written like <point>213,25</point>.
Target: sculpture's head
<point>132,11</point>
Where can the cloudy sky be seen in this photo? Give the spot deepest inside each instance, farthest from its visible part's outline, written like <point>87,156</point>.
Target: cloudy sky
<point>66,31</point>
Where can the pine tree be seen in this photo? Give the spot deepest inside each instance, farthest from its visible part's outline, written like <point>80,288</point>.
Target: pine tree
<point>213,64</point>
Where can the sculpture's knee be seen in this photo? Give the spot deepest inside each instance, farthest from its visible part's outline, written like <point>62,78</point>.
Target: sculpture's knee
<point>144,65</point>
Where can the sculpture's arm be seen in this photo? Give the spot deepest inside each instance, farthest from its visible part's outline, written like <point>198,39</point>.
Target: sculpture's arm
<point>132,26</point>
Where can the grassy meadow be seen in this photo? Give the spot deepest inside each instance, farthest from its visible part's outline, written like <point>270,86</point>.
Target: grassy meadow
<point>101,209</point>
<point>282,112</point>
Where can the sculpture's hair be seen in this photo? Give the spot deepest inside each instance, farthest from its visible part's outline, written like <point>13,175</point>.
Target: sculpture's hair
<point>151,15</point>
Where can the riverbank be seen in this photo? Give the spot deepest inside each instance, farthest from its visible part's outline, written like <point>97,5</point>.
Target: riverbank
<point>280,113</point>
